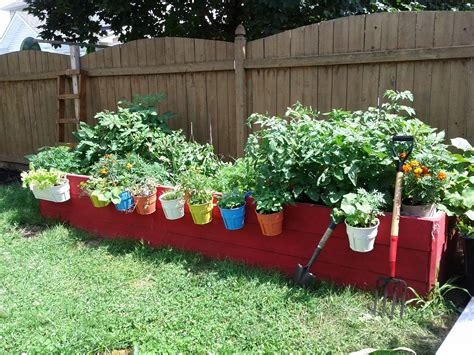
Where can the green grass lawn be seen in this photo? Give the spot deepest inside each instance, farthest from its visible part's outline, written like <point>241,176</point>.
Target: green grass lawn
<point>62,290</point>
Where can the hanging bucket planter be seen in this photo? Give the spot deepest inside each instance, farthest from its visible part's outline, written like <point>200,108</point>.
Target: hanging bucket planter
<point>126,202</point>
<point>271,224</point>
<point>362,239</point>
<point>202,214</point>
<point>97,203</point>
<point>234,218</point>
<point>419,210</point>
<point>173,209</point>
<point>145,204</point>
<point>60,193</point>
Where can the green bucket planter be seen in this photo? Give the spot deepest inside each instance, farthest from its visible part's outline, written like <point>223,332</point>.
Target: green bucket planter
<point>202,214</point>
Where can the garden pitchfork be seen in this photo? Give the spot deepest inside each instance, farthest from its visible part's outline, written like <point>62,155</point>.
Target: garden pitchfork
<point>384,283</point>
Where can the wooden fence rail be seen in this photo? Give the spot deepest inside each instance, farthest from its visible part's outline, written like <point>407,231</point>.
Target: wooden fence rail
<point>213,86</point>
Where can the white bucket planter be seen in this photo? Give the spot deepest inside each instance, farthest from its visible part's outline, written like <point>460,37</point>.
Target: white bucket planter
<point>419,211</point>
<point>173,209</point>
<point>362,239</point>
<point>60,193</point>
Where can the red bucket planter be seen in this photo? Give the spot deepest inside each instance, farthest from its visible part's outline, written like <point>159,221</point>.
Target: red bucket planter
<point>420,247</point>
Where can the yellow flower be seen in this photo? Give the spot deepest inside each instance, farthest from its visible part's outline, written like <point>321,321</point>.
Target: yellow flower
<point>103,171</point>
<point>406,168</point>
<point>442,175</point>
<point>418,171</point>
<point>129,166</point>
<point>414,163</point>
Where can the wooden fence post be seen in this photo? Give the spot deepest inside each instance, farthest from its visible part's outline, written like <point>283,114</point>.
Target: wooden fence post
<point>75,56</point>
<point>240,88</point>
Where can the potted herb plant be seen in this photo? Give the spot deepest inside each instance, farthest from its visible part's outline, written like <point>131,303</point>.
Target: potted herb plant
<point>269,208</point>
<point>101,191</point>
<point>422,189</point>
<point>172,202</point>
<point>146,178</point>
<point>360,211</point>
<point>232,207</point>
<point>116,172</point>
<point>50,185</point>
<point>199,194</point>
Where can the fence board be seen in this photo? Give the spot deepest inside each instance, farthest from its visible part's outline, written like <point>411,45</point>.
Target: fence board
<point>346,63</point>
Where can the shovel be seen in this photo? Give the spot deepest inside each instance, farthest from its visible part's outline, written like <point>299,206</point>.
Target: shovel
<point>303,277</point>
<point>384,284</point>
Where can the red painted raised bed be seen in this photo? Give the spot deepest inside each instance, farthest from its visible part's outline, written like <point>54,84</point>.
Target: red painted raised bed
<point>420,247</point>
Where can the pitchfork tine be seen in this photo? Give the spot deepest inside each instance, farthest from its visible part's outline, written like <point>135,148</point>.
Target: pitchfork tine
<point>385,295</point>
<point>394,299</point>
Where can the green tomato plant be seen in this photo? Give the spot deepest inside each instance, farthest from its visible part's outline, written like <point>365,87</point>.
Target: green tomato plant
<point>61,158</point>
<point>196,186</point>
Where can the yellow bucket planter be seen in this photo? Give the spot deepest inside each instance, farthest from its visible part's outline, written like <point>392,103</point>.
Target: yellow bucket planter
<point>202,214</point>
<point>97,203</point>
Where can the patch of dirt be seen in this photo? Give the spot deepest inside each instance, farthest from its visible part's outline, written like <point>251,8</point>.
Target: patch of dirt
<point>30,231</point>
<point>8,176</point>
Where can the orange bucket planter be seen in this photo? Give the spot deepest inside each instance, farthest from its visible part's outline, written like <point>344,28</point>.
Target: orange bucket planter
<point>270,224</point>
<point>145,204</point>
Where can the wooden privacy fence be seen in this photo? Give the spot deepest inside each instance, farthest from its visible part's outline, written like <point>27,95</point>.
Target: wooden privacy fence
<point>213,86</point>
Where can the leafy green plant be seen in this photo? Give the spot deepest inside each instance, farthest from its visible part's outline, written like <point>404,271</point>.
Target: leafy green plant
<point>42,178</point>
<point>61,158</point>
<point>147,104</point>
<point>175,194</point>
<point>459,196</point>
<point>197,186</point>
<point>231,199</point>
<point>239,175</point>
<point>360,209</point>
<point>422,185</point>
<point>435,301</point>
<point>103,189</point>
<point>132,129</point>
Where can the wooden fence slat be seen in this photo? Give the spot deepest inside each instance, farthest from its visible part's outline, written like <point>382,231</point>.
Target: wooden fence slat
<point>422,70</point>
<point>355,72</point>
<point>326,46</point>
<point>341,45</point>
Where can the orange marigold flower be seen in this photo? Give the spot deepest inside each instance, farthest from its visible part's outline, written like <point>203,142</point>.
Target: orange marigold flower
<point>406,168</point>
<point>414,163</point>
<point>418,171</point>
<point>103,171</point>
<point>427,175</point>
<point>403,155</point>
<point>425,169</point>
<point>108,155</point>
<point>442,175</point>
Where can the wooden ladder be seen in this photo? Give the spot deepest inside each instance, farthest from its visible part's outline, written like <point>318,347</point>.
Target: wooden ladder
<point>78,96</point>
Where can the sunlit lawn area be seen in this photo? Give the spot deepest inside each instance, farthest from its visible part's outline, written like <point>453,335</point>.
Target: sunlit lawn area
<point>62,290</point>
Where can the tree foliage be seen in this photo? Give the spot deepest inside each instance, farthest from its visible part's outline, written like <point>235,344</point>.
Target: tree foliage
<point>87,20</point>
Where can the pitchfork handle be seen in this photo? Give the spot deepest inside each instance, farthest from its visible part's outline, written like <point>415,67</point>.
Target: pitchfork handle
<point>395,222</point>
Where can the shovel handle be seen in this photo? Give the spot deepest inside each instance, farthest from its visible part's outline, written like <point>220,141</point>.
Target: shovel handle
<point>322,243</point>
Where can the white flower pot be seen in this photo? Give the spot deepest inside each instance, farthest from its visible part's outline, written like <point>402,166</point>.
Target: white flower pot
<point>362,239</point>
<point>60,193</point>
<point>419,211</point>
<point>173,209</point>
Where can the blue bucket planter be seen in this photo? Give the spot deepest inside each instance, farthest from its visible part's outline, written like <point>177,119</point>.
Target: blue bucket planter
<point>126,201</point>
<point>233,218</point>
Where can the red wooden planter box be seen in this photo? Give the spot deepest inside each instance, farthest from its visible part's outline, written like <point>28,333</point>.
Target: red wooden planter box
<point>420,247</point>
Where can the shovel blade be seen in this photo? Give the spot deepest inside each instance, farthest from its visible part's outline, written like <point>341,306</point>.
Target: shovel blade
<point>303,277</point>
